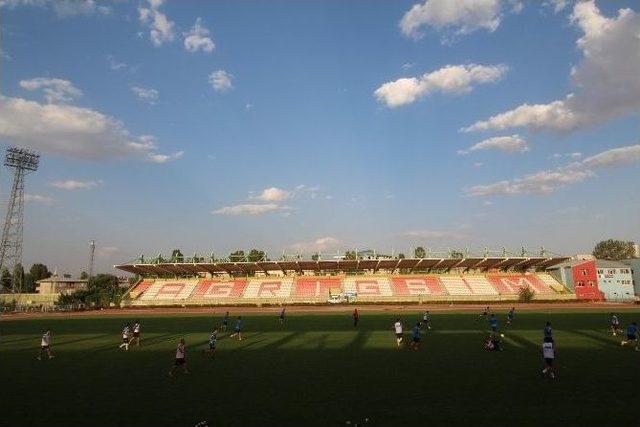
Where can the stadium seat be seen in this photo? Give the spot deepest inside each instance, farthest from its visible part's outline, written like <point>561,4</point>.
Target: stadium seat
<point>548,280</point>
<point>418,285</point>
<point>215,289</point>
<point>479,285</point>
<point>368,286</point>
<point>315,287</point>
<point>454,285</point>
<point>170,290</point>
<point>510,284</point>
<point>269,288</point>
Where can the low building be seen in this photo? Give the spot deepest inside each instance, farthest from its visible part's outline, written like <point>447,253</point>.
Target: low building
<point>634,264</point>
<point>579,276</point>
<point>60,285</point>
<point>615,280</point>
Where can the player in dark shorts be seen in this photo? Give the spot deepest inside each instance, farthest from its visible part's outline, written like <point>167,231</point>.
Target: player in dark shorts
<point>632,335</point>
<point>356,317</point>
<point>493,342</point>
<point>510,315</point>
<point>426,319</point>
<point>213,341</point>
<point>126,335</point>
<point>136,333</point>
<point>281,316</point>
<point>45,345</point>
<point>547,332</point>
<point>181,359</point>
<point>548,354</point>
<point>225,321</point>
<point>615,325</point>
<point>484,314</point>
<point>415,338</point>
<point>238,329</point>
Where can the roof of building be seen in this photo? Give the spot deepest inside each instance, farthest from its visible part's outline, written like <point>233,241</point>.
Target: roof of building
<point>504,263</point>
<point>568,264</point>
<point>61,280</point>
<point>605,263</point>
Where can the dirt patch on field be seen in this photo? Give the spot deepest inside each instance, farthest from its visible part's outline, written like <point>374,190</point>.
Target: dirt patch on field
<point>395,308</point>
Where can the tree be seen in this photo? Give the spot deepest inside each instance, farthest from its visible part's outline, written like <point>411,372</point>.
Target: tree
<point>176,256</point>
<point>456,254</point>
<point>102,290</point>
<point>256,255</point>
<point>401,255</point>
<point>315,257</point>
<point>350,255</point>
<point>84,275</point>
<point>5,278</point>
<point>614,250</point>
<point>18,277</point>
<point>237,256</point>
<point>39,271</point>
<point>419,252</point>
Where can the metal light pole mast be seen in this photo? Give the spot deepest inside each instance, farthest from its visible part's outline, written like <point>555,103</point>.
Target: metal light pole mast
<point>92,250</point>
<point>22,161</point>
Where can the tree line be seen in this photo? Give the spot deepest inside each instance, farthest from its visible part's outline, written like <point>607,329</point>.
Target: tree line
<point>26,281</point>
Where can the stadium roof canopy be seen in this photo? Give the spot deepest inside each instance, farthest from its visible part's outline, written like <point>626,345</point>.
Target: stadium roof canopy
<point>300,266</point>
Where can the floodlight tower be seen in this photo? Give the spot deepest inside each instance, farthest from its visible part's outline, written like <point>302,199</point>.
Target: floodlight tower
<point>23,161</point>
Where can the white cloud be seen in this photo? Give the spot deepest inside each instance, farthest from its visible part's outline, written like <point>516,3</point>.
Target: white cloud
<point>147,95</point>
<point>487,203</point>
<point>164,158</point>
<point>72,184</point>
<point>70,131</point>
<point>198,38</point>
<point>62,8</point>
<point>513,143</point>
<point>55,90</point>
<point>249,209</point>
<point>557,5</point>
<point>321,244</point>
<point>606,79</point>
<point>478,164</point>
<point>116,65</point>
<point>614,157</point>
<point>273,194</point>
<point>460,16</point>
<point>160,27</point>
<point>449,79</point>
<point>549,181</point>
<point>37,198</point>
<point>221,81</point>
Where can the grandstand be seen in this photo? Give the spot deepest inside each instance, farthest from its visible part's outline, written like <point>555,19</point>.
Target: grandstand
<point>370,281</point>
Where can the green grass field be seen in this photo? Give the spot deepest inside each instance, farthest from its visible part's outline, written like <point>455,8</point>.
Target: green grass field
<point>318,370</point>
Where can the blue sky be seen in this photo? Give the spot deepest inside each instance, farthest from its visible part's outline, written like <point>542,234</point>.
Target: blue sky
<point>304,126</point>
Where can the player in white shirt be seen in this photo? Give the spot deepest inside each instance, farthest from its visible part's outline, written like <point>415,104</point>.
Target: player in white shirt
<point>45,345</point>
<point>181,359</point>
<point>615,325</point>
<point>549,354</point>
<point>136,333</point>
<point>126,332</point>
<point>399,332</point>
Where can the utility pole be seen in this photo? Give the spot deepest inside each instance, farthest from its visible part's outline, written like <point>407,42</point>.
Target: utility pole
<point>92,250</point>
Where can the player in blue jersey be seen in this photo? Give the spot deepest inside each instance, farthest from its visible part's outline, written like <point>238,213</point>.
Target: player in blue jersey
<point>238,329</point>
<point>510,315</point>
<point>415,339</point>
<point>632,335</point>
<point>225,321</point>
